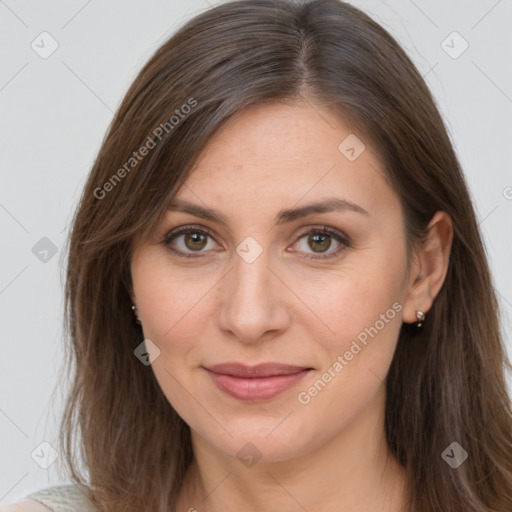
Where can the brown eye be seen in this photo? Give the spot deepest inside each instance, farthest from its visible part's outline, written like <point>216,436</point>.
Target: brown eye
<point>319,243</point>
<point>319,240</point>
<point>187,240</point>
<point>195,241</point>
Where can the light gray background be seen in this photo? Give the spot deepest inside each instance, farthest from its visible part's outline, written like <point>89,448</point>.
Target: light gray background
<point>54,113</point>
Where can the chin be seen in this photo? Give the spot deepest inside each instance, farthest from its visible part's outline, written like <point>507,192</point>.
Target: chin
<point>275,444</point>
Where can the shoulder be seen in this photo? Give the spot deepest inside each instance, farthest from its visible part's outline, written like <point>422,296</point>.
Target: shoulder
<point>24,505</point>
<point>59,498</point>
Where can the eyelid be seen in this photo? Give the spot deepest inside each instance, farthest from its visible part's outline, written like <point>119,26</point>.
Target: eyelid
<point>186,229</point>
<point>341,238</point>
<point>325,229</point>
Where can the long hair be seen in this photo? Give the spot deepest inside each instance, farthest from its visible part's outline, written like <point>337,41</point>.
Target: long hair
<point>119,434</point>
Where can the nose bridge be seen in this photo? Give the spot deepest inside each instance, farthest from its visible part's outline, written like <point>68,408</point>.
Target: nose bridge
<point>252,276</point>
<point>252,304</point>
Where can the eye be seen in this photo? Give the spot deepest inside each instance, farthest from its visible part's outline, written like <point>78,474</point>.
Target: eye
<point>192,239</point>
<point>319,240</point>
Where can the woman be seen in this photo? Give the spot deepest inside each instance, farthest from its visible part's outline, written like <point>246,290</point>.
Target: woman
<point>278,296</point>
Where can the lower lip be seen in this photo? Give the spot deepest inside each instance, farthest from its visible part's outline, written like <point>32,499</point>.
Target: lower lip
<point>258,388</point>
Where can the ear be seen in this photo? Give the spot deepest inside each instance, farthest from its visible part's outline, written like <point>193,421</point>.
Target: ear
<point>429,267</point>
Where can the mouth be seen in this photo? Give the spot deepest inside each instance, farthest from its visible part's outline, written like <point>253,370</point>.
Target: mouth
<point>256,383</point>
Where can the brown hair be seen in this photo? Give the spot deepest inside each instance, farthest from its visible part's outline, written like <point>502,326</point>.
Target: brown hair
<point>446,382</point>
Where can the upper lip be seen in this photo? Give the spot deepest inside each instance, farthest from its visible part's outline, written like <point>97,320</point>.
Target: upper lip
<point>260,370</point>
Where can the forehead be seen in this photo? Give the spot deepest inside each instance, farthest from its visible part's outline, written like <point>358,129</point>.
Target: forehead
<point>272,156</point>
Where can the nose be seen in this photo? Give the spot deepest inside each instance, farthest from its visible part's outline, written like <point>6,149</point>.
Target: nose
<point>253,301</point>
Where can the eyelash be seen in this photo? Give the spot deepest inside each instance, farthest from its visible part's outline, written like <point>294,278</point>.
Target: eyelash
<point>343,240</point>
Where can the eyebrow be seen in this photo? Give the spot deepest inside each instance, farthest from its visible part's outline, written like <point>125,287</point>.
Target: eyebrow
<point>284,216</point>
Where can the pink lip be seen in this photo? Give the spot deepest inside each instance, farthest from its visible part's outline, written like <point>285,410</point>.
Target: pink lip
<point>253,383</point>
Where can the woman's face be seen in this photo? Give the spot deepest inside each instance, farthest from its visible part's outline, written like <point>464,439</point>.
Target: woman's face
<point>258,287</point>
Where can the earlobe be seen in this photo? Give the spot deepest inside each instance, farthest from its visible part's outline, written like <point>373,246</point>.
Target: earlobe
<point>135,308</point>
<point>432,259</point>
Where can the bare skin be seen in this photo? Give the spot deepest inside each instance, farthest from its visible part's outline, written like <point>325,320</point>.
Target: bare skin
<point>323,453</point>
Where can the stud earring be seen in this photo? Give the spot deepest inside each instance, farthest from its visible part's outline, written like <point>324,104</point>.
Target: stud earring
<point>135,309</point>
<point>421,317</point>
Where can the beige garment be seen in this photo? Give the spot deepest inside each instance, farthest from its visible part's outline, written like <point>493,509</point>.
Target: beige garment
<point>64,498</point>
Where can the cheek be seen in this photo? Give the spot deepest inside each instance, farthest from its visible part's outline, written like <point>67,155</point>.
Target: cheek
<point>347,300</point>
<point>366,320</point>
<point>172,303</point>
<point>172,310</point>
<point>366,324</point>
<point>360,313</point>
